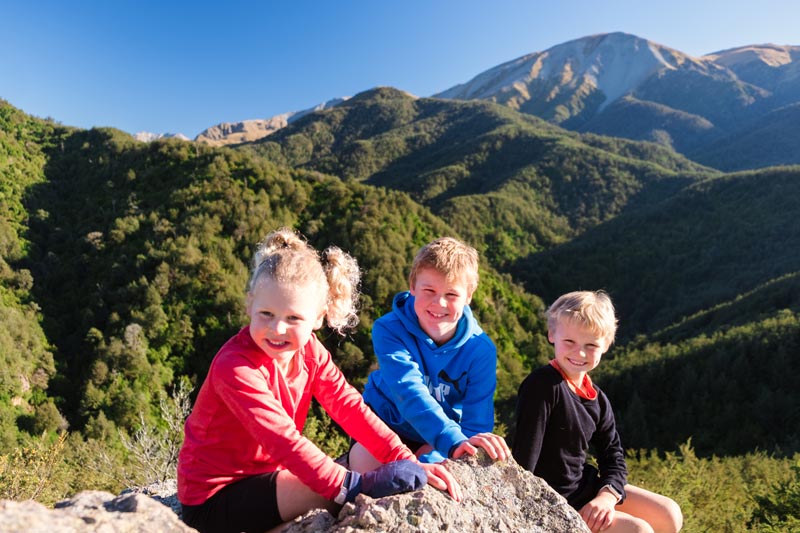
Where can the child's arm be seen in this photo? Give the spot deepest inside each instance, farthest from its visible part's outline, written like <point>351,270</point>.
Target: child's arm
<point>599,512</point>
<point>477,414</point>
<point>608,448</point>
<point>477,406</point>
<point>346,407</point>
<point>405,386</point>
<point>533,412</point>
<point>243,390</point>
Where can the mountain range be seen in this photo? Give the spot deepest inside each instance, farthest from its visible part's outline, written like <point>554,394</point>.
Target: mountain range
<point>622,85</point>
<point>733,109</point>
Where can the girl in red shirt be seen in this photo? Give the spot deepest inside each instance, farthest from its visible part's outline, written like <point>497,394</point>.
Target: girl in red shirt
<point>244,464</point>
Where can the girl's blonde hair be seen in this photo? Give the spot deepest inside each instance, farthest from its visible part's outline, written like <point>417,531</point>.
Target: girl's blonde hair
<point>592,309</point>
<point>286,257</point>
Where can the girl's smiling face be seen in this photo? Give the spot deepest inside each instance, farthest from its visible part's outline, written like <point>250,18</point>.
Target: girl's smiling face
<point>439,303</point>
<point>283,317</point>
<point>577,348</point>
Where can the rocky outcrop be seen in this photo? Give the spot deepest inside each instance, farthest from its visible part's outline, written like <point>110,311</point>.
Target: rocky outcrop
<point>92,511</point>
<point>498,497</point>
<point>241,132</point>
<point>252,130</point>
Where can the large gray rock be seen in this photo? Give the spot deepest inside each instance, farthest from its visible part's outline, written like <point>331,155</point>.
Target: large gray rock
<point>498,497</point>
<point>92,511</point>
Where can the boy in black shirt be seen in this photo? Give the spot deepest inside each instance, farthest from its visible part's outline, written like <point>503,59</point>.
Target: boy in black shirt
<point>560,412</point>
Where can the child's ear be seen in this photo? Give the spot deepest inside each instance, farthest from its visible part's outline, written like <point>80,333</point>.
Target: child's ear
<point>607,347</point>
<point>318,323</point>
<point>550,334</point>
<point>249,302</point>
<point>469,296</point>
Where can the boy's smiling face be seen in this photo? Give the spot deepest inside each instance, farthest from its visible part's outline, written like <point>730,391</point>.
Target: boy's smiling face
<point>577,348</point>
<point>439,303</point>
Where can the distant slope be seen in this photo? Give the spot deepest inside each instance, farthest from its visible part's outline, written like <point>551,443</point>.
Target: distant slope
<point>775,68</point>
<point>716,240</point>
<point>730,391</point>
<point>631,118</point>
<point>773,139</point>
<point>571,83</point>
<point>531,184</point>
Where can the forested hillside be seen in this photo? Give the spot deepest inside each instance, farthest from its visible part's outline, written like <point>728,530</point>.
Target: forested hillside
<point>139,254</point>
<point>26,358</point>
<point>507,181</point>
<point>123,266</point>
<point>707,245</point>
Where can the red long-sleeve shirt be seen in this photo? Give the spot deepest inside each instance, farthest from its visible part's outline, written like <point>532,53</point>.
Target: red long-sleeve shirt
<point>248,417</point>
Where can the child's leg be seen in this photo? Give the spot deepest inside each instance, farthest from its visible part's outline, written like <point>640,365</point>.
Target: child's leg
<point>625,523</point>
<point>361,460</point>
<point>662,513</point>
<point>295,498</point>
<point>246,505</point>
<point>422,450</point>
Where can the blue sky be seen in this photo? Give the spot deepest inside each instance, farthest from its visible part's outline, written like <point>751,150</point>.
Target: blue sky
<point>180,67</point>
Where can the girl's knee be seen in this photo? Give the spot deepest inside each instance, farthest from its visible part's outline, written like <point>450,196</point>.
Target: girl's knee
<point>360,460</point>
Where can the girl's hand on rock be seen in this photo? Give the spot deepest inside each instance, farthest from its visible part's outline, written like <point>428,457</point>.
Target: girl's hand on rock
<point>440,477</point>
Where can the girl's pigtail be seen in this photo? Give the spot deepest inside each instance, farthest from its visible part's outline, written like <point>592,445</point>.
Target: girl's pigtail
<point>344,277</point>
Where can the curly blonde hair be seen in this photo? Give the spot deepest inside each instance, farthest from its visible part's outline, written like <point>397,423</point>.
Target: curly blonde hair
<point>286,257</point>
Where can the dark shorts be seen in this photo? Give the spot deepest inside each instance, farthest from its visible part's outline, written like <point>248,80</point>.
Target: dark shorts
<point>588,488</point>
<point>247,505</point>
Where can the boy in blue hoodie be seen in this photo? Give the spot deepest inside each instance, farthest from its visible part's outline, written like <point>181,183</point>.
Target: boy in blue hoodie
<point>436,374</point>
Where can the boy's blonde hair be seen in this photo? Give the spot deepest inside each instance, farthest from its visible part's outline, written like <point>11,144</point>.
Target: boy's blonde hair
<point>286,257</point>
<point>592,309</point>
<point>450,257</point>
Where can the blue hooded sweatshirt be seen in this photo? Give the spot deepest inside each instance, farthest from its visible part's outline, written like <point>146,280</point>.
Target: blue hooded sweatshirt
<point>441,395</point>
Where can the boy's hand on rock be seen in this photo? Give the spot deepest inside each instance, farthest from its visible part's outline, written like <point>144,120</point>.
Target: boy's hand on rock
<point>599,512</point>
<point>495,446</point>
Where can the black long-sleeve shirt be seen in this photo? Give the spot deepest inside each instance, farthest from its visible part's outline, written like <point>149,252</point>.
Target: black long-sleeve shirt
<point>555,428</point>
